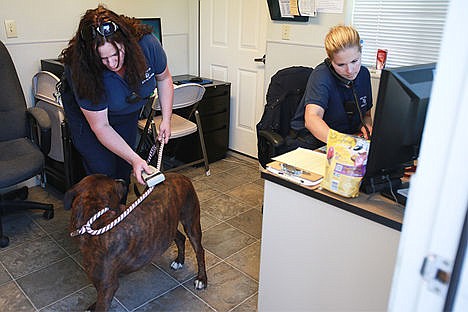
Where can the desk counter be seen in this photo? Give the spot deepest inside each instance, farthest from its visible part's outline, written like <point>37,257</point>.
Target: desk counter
<point>373,207</point>
<point>321,251</point>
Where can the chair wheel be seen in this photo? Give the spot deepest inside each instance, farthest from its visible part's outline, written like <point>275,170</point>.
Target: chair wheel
<point>48,214</point>
<point>4,241</point>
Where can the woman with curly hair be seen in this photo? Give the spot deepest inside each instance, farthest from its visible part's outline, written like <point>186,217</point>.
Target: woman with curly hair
<point>113,65</point>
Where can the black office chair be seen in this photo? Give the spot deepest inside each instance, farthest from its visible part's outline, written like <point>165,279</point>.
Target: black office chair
<point>21,130</point>
<point>274,136</point>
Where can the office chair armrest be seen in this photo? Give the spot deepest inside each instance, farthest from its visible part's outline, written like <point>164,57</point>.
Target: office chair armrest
<point>42,121</point>
<point>274,138</point>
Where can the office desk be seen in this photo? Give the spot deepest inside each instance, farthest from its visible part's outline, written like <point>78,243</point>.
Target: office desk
<point>322,252</point>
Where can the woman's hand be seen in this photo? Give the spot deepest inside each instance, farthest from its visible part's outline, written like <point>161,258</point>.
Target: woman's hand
<point>139,165</point>
<point>364,132</point>
<point>164,130</point>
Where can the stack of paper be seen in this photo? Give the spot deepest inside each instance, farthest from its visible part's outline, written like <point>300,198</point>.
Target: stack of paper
<point>302,166</point>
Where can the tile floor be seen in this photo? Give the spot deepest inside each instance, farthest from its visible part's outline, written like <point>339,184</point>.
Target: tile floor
<point>41,268</point>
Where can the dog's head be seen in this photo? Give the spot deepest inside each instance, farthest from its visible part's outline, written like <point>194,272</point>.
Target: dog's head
<point>92,194</point>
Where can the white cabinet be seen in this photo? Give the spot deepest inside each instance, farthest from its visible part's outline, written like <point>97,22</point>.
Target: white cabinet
<point>316,256</point>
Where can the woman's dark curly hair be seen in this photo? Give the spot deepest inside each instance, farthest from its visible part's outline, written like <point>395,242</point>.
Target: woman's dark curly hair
<point>83,58</point>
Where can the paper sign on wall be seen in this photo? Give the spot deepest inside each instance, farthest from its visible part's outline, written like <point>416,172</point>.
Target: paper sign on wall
<point>290,8</point>
<point>330,6</point>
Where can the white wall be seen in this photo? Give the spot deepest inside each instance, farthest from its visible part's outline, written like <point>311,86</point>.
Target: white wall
<point>305,46</point>
<point>45,27</point>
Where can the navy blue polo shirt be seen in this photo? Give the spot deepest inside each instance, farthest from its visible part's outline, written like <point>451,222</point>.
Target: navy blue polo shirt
<point>123,116</point>
<point>117,89</point>
<point>328,92</point>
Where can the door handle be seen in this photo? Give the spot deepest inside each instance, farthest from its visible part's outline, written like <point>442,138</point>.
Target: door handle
<point>261,59</point>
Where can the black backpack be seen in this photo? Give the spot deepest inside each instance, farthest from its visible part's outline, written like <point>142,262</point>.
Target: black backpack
<point>284,93</point>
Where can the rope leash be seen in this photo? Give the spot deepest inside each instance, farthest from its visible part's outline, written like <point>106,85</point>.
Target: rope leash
<point>87,227</point>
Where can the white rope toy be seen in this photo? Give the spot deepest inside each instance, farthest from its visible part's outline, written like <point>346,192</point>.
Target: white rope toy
<point>87,227</point>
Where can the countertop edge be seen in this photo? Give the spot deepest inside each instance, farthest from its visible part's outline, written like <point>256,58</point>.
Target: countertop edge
<point>334,202</point>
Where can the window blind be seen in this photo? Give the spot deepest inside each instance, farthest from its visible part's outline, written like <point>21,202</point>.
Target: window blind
<point>411,31</point>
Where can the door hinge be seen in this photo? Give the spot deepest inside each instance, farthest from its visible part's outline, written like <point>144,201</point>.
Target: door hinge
<point>436,271</point>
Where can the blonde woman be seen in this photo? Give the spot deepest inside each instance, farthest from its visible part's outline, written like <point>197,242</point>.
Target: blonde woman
<point>338,94</point>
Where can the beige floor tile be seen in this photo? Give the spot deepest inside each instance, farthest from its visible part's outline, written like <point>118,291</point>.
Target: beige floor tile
<point>249,221</point>
<point>230,201</point>
<point>224,240</point>
<point>251,194</point>
<point>247,260</point>
<point>224,207</point>
<point>227,287</point>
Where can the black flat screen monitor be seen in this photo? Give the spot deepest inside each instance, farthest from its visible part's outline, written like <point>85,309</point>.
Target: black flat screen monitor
<point>399,118</point>
<point>155,23</point>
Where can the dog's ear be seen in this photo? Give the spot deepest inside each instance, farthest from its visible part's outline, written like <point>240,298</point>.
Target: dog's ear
<point>68,198</point>
<point>119,191</point>
<point>121,187</point>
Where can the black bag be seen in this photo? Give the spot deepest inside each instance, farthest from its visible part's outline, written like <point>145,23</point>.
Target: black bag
<point>284,93</point>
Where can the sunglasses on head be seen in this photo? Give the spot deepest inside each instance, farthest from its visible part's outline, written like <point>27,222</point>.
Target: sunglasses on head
<point>105,29</point>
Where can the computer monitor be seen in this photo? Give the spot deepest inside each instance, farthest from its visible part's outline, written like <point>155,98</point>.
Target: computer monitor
<point>155,23</point>
<point>399,118</point>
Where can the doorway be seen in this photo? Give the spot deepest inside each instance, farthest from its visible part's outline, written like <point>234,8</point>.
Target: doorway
<point>232,35</point>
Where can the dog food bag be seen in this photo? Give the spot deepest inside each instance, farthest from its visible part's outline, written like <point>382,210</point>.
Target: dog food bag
<point>346,163</point>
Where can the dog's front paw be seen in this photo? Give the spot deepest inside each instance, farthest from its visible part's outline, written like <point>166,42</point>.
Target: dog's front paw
<point>199,284</point>
<point>176,265</point>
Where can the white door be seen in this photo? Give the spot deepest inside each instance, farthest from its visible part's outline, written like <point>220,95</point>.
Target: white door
<point>232,35</point>
<point>438,198</point>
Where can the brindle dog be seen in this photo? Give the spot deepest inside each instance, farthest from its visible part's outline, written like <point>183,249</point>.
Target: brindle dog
<point>144,234</point>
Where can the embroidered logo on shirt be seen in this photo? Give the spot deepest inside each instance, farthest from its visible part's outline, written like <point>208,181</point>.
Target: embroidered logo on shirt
<point>148,75</point>
<point>363,100</point>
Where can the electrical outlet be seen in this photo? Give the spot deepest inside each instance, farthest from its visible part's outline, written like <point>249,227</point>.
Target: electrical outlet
<point>10,27</point>
<point>285,32</point>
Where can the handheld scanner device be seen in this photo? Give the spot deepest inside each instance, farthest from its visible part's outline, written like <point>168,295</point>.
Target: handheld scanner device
<point>153,178</point>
